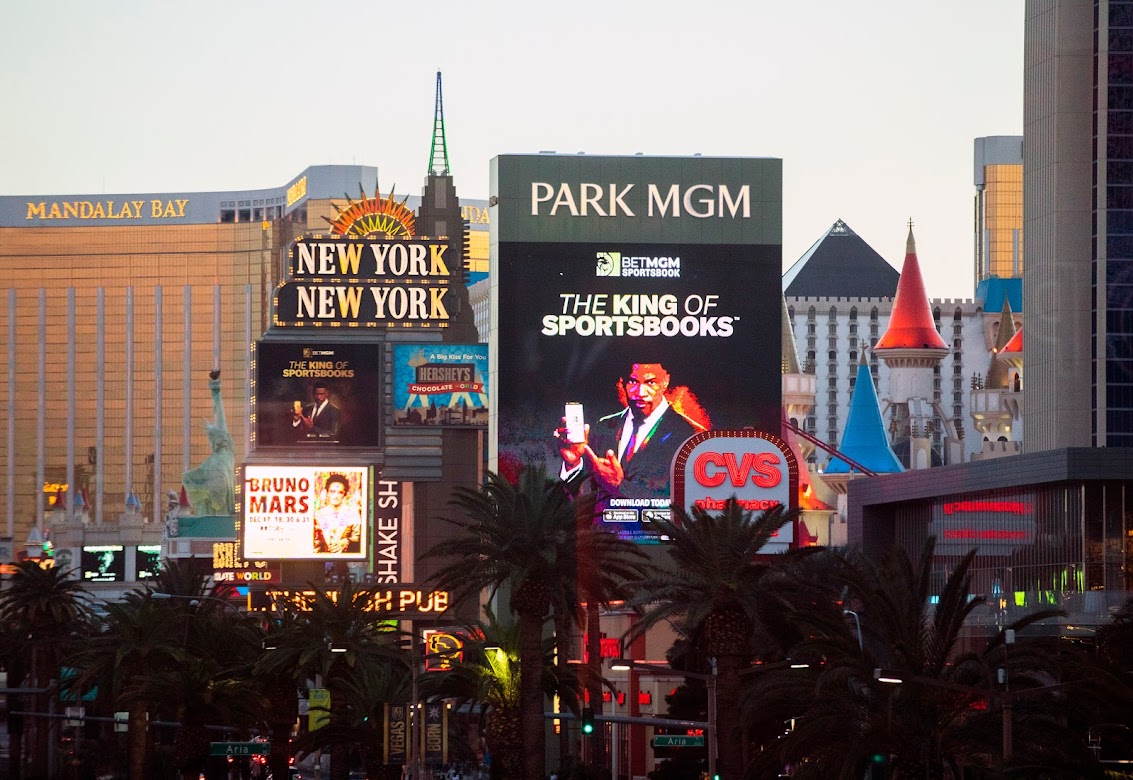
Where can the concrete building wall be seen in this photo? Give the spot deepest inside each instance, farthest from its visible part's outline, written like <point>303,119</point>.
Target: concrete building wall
<point>1057,161</point>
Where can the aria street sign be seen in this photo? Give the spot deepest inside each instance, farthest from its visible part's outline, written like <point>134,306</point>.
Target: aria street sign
<point>669,740</point>
<point>239,748</point>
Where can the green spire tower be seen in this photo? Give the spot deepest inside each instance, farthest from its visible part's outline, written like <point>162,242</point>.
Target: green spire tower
<point>438,155</point>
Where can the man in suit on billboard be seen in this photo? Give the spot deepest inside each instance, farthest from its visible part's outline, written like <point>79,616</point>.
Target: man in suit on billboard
<point>319,420</point>
<point>629,453</point>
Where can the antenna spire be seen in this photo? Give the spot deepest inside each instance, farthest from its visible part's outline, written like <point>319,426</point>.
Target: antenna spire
<point>438,154</point>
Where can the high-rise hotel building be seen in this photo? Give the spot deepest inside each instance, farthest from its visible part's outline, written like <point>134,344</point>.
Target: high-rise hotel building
<point>998,177</point>
<point>1078,231</point>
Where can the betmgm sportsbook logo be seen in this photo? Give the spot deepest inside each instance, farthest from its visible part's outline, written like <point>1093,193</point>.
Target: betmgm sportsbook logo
<point>617,264</point>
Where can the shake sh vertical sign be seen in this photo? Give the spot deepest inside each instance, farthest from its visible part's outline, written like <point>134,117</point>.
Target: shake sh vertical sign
<point>336,281</point>
<point>757,469</point>
<point>387,530</point>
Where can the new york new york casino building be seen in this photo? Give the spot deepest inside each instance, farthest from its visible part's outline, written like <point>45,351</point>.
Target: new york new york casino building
<point>116,307</point>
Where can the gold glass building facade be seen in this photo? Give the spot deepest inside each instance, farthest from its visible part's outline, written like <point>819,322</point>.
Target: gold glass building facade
<point>998,208</point>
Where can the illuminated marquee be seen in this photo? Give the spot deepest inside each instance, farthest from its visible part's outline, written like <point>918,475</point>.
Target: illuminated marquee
<point>337,281</point>
<point>400,600</point>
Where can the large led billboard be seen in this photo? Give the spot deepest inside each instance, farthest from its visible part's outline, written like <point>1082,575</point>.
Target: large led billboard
<point>312,512</point>
<point>314,393</point>
<point>645,290</point>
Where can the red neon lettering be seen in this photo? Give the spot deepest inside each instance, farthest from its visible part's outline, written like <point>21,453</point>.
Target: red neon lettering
<point>1007,507</point>
<point>737,472</point>
<point>767,473</point>
<point>983,533</point>
<point>763,467</point>
<point>700,470</point>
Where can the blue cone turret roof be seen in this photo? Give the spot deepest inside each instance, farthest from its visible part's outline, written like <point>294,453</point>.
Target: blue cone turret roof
<point>863,438</point>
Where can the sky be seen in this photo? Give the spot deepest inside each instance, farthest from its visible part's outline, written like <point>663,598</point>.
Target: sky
<point>873,106</point>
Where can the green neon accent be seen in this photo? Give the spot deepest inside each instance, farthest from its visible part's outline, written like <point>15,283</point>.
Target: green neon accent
<point>439,143</point>
<point>1020,598</point>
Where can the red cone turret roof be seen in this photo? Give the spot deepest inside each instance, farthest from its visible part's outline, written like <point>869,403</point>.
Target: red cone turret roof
<point>1014,345</point>
<point>911,325</point>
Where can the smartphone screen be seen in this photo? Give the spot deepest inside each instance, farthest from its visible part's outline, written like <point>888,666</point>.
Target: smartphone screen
<point>576,433</point>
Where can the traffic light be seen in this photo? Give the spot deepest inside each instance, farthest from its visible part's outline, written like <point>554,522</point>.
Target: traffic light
<point>879,767</point>
<point>587,720</point>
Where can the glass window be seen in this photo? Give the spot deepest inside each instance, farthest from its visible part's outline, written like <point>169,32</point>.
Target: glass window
<point>1120,147</point>
<point>1119,197</point>
<point>1120,68</point>
<point>1120,221</point>
<point>1120,15</point>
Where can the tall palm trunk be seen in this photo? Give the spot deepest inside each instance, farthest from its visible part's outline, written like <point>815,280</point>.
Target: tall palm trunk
<point>597,756</point>
<point>728,717</point>
<point>138,740</point>
<point>39,725</point>
<point>564,643</point>
<point>531,694</point>
<point>284,710</point>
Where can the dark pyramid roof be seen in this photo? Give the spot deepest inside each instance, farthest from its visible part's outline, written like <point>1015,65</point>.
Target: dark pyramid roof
<point>841,264</point>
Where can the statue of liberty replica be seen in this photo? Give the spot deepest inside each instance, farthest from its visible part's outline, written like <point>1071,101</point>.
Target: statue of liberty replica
<point>211,486</point>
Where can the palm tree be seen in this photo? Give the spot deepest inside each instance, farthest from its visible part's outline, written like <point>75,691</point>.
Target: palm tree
<point>337,637</point>
<point>712,588</point>
<point>45,606</point>
<point>523,540</point>
<point>947,711</point>
<point>136,638</point>
<point>361,722</point>
<point>489,676</point>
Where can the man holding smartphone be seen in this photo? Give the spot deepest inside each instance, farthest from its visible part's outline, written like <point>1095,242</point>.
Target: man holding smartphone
<point>629,453</point>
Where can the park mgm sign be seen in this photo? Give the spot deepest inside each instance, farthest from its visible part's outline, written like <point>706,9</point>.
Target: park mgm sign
<point>341,281</point>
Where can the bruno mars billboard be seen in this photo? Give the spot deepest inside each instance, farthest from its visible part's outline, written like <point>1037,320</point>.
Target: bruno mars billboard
<point>640,298</point>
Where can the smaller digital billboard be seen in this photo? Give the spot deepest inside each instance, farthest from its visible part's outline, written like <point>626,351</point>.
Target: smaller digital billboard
<point>147,561</point>
<point>312,512</point>
<point>440,385</point>
<point>318,394</point>
<point>104,563</point>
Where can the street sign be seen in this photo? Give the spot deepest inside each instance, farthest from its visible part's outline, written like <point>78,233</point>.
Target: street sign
<point>318,713</point>
<point>669,740</point>
<point>239,748</point>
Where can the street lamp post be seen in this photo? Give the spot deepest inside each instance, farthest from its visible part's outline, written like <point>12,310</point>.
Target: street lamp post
<point>857,625</point>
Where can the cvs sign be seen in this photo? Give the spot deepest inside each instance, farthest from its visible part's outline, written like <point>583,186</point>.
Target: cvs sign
<point>756,468</point>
